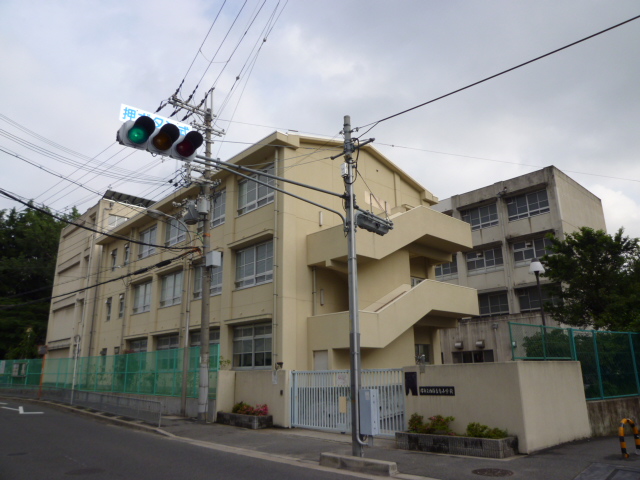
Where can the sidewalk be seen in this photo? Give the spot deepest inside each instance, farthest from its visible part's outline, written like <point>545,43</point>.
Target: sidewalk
<point>595,459</point>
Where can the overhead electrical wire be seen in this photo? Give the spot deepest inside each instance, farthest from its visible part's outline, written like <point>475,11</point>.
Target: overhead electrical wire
<point>377,122</point>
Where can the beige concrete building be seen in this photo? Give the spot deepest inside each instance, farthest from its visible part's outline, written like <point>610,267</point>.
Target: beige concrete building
<point>280,296</point>
<point>79,266</point>
<point>509,222</point>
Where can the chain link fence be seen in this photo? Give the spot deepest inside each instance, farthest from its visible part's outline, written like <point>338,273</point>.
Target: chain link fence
<point>609,360</point>
<point>145,373</point>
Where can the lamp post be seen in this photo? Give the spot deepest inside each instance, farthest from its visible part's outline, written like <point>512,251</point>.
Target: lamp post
<point>157,214</point>
<point>536,268</point>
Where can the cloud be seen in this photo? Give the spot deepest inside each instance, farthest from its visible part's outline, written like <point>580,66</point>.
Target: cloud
<point>620,210</point>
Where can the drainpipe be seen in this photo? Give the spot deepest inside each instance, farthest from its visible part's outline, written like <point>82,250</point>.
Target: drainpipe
<point>274,320</point>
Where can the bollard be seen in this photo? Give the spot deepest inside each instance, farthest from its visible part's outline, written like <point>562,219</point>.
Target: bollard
<point>636,436</point>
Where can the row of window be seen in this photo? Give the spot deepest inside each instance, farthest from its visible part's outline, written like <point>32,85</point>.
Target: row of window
<point>498,303</point>
<point>522,206</point>
<point>251,195</point>
<point>482,261</point>
<point>254,266</point>
<point>252,345</point>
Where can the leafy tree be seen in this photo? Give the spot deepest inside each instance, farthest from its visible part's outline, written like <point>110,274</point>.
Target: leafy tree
<point>596,277</point>
<point>28,250</point>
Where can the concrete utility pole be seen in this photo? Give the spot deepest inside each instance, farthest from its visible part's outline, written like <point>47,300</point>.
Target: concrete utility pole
<point>354,314</point>
<point>203,207</point>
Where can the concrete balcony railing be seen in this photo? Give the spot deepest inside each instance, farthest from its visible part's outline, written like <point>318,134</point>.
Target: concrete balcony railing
<point>430,303</point>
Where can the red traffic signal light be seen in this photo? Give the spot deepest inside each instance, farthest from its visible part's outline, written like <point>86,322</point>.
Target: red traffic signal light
<point>187,146</point>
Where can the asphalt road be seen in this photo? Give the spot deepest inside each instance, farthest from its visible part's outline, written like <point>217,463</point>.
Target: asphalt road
<point>55,444</point>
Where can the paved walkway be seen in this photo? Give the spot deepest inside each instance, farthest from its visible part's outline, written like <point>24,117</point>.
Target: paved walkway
<point>595,459</point>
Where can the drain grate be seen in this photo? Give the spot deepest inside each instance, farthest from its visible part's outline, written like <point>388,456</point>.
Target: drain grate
<point>493,472</point>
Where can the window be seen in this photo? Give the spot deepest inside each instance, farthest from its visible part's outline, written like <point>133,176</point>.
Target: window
<point>493,303</point>
<point>485,261</point>
<point>174,232</point>
<point>142,298</point>
<point>108,303</point>
<point>168,342</point>
<point>149,238</point>
<point>137,346</point>
<point>252,346</point>
<point>121,306</point>
<point>476,356</point>
<point>218,208</point>
<point>481,217</point>
<point>254,265</point>
<point>423,354</point>
<point>214,337</point>
<point>216,281</point>
<point>528,205</point>
<point>448,270</point>
<point>252,195</point>
<point>115,220</point>
<point>126,254</point>
<point>414,281</point>
<point>114,259</point>
<point>525,251</point>
<point>530,300</point>
<point>171,293</point>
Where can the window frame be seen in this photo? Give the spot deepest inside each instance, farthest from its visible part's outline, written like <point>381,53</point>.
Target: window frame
<point>108,304</point>
<point>171,289</point>
<point>247,359</point>
<point>218,208</point>
<point>248,188</point>
<point>448,270</point>
<point>243,262</point>
<point>114,259</point>
<point>491,262</point>
<point>474,216</point>
<point>121,306</point>
<point>142,295</point>
<point>534,249</point>
<point>174,232</point>
<point>489,296</point>
<point>524,206</point>
<point>148,236</point>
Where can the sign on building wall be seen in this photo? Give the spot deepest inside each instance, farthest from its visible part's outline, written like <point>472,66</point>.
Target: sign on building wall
<point>132,113</point>
<point>445,391</point>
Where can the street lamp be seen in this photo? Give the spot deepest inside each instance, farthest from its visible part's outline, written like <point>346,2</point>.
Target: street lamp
<point>157,214</point>
<point>536,268</point>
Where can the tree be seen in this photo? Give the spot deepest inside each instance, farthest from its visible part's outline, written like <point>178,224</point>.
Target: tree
<point>28,250</point>
<point>596,278</point>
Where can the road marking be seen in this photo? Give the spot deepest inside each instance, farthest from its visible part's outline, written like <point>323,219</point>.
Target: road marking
<point>21,411</point>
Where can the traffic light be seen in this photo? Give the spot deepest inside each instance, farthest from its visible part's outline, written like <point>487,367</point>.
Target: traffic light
<point>372,223</point>
<point>166,140</point>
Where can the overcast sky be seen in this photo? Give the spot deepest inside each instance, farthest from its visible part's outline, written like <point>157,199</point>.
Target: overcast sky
<point>67,66</point>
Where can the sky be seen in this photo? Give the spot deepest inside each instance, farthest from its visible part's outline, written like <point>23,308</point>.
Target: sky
<point>68,65</point>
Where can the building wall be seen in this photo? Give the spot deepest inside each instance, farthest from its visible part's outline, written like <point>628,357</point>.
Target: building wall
<point>571,206</point>
<point>513,396</point>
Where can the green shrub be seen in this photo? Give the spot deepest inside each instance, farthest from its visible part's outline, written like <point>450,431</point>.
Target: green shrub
<point>436,424</point>
<point>477,430</point>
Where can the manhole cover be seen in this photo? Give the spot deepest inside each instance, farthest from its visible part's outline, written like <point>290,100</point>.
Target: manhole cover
<point>493,472</point>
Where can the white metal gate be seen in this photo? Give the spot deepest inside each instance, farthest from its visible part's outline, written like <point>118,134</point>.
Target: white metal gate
<point>320,400</point>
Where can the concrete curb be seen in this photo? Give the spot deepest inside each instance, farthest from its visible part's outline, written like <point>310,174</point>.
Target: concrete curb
<point>356,464</point>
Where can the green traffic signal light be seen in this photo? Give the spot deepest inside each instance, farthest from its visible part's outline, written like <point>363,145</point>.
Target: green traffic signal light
<point>142,129</point>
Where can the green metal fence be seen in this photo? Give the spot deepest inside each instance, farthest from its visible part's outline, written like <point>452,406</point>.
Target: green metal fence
<point>145,373</point>
<point>609,360</point>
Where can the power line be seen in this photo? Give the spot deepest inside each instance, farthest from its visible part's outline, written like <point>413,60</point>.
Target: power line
<point>377,122</point>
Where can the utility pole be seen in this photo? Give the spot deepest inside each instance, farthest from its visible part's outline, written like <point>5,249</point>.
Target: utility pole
<point>203,206</point>
<point>354,316</point>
